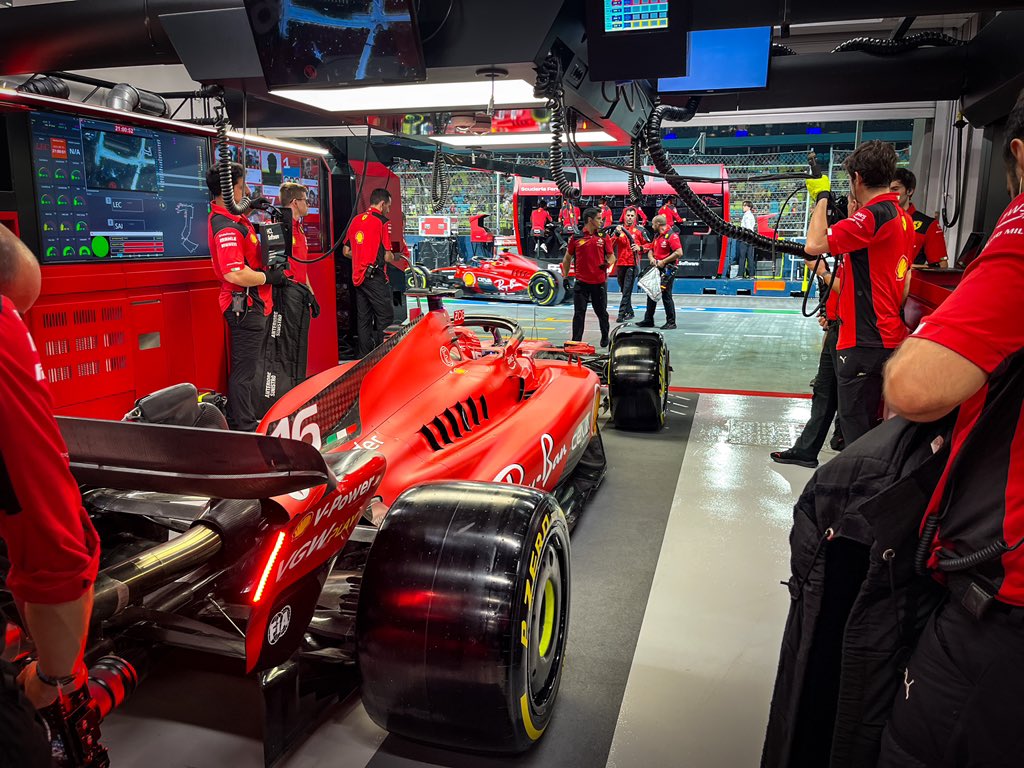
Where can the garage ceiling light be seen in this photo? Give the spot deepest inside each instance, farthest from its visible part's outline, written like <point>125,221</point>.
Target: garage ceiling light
<point>519,139</point>
<point>265,141</point>
<point>415,97</point>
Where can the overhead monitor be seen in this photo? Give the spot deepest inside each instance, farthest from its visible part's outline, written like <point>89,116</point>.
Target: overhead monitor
<point>107,191</point>
<point>327,44</point>
<point>723,60</point>
<point>636,39</point>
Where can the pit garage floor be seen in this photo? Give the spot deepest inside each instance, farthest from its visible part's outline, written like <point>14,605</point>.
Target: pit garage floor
<point>677,610</point>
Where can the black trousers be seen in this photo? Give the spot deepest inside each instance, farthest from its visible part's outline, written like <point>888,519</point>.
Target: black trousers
<point>248,343</point>
<point>746,261</point>
<point>23,741</point>
<point>859,371</point>
<point>374,312</point>
<point>626,277</point>
<point>824,400</point>
<point>595,294</point>
<point>959,704</point>
<point>667,278</point>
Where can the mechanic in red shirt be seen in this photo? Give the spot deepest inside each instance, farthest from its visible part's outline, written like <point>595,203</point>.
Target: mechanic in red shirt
<point>630,241</point>
<point>877,240</point>
<point>606,212</point>
<point>929,243</point>
<point>245,296</point>
<point>539,221</point>
<point>569,216</point>
<point>669,211</point>
<point>592,254</point>
<point>295,197</point>
<point>369,238</point>
<point>960,699</point>
<point>666,249</point>
<point>52,546</point>
<point>825,392</point>
<point>640,215</point>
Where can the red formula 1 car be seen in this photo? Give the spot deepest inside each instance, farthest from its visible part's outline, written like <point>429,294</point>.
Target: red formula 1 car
<point>402,524</point>
<point>507,275</point>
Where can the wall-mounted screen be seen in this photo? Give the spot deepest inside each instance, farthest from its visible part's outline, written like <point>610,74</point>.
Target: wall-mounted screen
<point>635,15</point>
<point>723,60</point>
<point>267,169</point>
<point>316,43</point>
<point>114,191</point>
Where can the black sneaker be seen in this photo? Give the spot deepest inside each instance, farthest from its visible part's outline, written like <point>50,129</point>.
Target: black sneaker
<point>836,443</point>
<point>604,341</point>
<point>792,457</point>
<point>668,327</point>
<point>645,324</point>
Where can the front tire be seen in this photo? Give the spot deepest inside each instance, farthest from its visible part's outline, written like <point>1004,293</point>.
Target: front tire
<point>546,288</point>
<point>417,276</point>
<point>464,614</point>
<point>638,379</point>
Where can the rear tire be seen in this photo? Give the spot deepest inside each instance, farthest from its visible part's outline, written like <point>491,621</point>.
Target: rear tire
<point>417,276</point>
<point>463,616</point>
<point>638,379</point>
<point>546,288</point>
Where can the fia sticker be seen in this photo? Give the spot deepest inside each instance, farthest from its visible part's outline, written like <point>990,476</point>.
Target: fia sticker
<point>279,625</point>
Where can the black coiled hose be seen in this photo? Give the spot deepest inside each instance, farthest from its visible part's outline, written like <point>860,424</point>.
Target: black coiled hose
<point>636,178</point>
<point>549,86</point>
<point>693,201</point>
<point>45,85</point>
<point>889,47</point>
<point>440,184</point>
<point>227,189</point>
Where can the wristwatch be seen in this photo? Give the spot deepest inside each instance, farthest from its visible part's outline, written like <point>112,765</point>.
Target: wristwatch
<point>54,682</point>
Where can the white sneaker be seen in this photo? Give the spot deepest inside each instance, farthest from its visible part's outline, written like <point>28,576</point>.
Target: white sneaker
<point>544,248</point>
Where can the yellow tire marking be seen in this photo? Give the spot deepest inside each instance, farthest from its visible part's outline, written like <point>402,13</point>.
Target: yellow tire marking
<point>532,732</point>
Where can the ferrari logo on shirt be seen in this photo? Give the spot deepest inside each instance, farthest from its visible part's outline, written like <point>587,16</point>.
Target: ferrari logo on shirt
<point>902,267</point>
<point>360,237</point>
<point>364,217</point>
<point>917,225</point>
<point>253,239</point>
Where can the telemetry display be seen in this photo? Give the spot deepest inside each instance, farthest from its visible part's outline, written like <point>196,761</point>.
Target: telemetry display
<point>112,191</point>
<point>635,15</point>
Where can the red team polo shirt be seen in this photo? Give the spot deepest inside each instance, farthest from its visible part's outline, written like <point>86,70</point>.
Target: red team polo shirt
<point>569,217</point>
<point>665,245</point>
<point>606,216</point>
<point>298,271</point>
<point>539,219</point>
<point>233,245</point>
<point>877,241</point>
<point>671,214</point>
<point>640,215</point>
<point>624,255</point>
<point>981,493</point>
<point>369,238</point>
<point>590,256</point>
<point>53,548</point>
<point>929,244</point>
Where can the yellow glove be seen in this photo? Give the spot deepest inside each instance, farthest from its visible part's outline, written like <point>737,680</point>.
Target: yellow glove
<point>815,187</point>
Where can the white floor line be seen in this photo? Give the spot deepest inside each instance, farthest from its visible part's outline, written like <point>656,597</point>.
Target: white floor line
<point>700,683</point>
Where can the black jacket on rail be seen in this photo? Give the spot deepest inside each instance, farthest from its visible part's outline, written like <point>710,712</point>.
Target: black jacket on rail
<point>858,606</point>
<point>287,344</point>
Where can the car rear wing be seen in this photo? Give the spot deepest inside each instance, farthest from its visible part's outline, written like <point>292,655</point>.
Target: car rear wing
<point>190,461</point>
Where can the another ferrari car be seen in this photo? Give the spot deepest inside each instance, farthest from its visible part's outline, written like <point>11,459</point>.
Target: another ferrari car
<point>402,524</point>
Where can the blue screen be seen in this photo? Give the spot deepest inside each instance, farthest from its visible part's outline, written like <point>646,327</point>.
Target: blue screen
<point>723,60</point>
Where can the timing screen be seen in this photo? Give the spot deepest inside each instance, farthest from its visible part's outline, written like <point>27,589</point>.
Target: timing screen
<point>111,191</point>
<point>635,15</point>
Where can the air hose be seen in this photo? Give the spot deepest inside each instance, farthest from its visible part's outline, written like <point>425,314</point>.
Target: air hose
<point>440,184</point>
<point>227,189</point>
<point>549,86</point>
<point>636,177</point>
<point>889,47</point>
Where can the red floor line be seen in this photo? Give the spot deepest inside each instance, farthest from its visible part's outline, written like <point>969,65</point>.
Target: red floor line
<point>744,392</point>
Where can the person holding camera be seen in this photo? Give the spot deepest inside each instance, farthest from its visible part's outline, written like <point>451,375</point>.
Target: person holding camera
<point>877,241</point>
<point>245,296</point>
<point>369,240</point>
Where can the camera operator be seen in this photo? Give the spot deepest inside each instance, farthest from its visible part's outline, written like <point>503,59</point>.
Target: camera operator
<point>877,240</point>
<point>245,296</point>
<point>51,545</point>
<point>959,702</point>
<point>592,254</point>
<point>929,243</point>
<point>369,238</point>
<point>627,256</point>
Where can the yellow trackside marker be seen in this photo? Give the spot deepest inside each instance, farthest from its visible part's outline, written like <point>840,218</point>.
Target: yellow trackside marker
<point>532,732</point>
